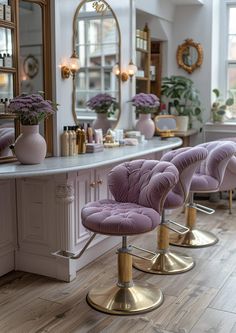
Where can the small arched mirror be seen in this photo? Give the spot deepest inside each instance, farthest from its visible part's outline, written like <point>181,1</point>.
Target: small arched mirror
<point>96,39</point>
<point>189,55</point>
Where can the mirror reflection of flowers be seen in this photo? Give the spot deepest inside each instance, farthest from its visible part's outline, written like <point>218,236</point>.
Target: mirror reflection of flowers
<point>31,109</point>
<point>145,103</point>
<point>103,103</point>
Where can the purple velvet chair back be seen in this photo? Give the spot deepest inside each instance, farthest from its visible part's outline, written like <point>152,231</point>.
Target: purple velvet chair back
<point>144,182</point>
<point>186,160</point>
<point>219,154</point>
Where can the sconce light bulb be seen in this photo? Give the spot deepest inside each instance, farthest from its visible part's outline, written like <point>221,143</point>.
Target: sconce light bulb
<point>116,70</point>
<point>132,69</point>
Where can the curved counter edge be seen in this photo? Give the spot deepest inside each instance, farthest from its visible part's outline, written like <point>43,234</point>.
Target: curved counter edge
<point>58,165</point>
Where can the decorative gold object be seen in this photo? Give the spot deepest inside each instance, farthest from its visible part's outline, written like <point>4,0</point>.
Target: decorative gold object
<point>72,68</point>
<point>87,11</point>
<point>189,55</point>
<point>165,125</point>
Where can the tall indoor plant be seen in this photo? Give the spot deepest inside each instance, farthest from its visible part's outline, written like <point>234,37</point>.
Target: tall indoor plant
<point>104,105</point>
<point>184,97</point>
<point>145,105</point>
<point>30,147</point>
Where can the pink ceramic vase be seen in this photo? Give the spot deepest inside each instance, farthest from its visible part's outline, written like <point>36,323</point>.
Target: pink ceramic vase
<point>145,125</point>
<point>102,122</point>
<point>30,146</point>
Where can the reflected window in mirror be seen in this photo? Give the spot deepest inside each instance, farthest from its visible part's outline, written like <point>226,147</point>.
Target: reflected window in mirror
<point>96,40</point>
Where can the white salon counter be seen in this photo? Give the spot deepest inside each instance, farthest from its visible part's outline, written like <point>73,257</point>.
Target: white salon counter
<point>57,165</point>
<point>41,206</point>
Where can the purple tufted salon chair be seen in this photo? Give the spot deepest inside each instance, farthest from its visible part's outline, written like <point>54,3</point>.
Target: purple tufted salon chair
<point>139,189</point>
<point>208,178</point>
<point>166,261</point>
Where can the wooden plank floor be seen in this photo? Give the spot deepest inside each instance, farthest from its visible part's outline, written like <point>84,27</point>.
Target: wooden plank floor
<point>202,300</point>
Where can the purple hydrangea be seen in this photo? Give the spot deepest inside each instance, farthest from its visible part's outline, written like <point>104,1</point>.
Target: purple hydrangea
<point>31,108</point>
<point>103,103</point>
<point>145,103</point>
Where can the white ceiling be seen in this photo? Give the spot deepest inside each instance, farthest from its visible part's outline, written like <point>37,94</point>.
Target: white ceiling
<point>187,2</point>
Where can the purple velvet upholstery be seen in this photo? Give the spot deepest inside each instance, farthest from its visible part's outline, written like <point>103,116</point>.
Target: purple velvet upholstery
<point>209,176</point>
<point>139,188</point>
<point>186,160</point>
<point>229,180</point>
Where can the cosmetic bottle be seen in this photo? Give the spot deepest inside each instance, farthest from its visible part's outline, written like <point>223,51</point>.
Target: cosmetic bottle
<point>82,141</point>
<point>89,133</point>
<point>65,142</point>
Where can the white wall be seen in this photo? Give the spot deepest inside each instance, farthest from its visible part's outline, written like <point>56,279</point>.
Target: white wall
<point>195,22</point>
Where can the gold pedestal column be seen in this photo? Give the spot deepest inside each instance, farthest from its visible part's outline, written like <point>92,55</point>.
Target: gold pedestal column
<point>165,261</point>
<point>194,238</point>
<point>126,297</point>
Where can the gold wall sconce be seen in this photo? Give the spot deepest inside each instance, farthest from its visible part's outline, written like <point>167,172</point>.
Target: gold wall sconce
<point>126,74</point>
<point>71,68</point>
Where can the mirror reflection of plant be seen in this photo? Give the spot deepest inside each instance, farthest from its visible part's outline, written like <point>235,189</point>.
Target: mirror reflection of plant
<point>145,103</point>
<point>185,97</point>
<point>219,106</point>
<point>103,103</point>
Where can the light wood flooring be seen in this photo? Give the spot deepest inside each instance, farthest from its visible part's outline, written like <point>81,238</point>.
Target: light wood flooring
<point>202,300</point>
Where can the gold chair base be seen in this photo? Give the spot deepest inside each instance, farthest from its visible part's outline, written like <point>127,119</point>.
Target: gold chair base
<point>165,263</point>
<point>140,298</point>
<point>194,238</point>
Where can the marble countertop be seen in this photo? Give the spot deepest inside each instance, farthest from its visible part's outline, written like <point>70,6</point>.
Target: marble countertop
<point>57,165</point>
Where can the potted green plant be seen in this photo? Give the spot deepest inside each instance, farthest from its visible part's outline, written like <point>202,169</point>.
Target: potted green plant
<point>219,107</point>
<point>184,97</point>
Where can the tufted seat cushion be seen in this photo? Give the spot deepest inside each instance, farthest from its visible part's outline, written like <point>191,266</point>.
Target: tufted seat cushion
<point>112,218</point>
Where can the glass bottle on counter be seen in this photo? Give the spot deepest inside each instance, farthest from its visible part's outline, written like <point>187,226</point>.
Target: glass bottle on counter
<point>65,151</point>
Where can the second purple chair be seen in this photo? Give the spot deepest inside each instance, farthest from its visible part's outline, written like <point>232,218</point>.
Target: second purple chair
<point>208,178</point>
<point>166,261</point>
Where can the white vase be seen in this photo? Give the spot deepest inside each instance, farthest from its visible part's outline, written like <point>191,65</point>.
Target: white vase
<point>102,122</point>
<point>145,125</point>
<point>30,146</point>
<point>182,123</point>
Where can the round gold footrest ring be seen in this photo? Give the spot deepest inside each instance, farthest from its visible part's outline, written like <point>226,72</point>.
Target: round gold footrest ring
<point>194,238</point>
<point>140,298</point>
<point>165,263</point>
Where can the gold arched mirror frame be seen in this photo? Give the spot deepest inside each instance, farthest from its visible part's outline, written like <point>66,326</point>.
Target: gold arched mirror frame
<point>189,55</point>
<point>100,8</point>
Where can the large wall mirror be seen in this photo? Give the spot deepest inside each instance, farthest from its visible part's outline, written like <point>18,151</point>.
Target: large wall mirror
<point>34,55</point>
<point>96,39</point>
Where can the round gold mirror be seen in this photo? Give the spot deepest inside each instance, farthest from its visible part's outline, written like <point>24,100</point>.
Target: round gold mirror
<point>96,39</point>
<point>189,55</point>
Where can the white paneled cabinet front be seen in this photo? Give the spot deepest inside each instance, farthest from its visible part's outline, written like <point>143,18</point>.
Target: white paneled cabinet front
<point>7,226</point>
<point>49,219</point>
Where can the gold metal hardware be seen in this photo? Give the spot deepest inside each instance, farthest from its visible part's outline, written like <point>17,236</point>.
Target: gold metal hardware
<point>194,238</point>
<point>164,260</point>
<point>125,298</point>
<point>93,184</point>
<point>99,182</point>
